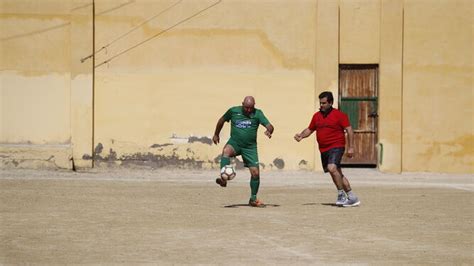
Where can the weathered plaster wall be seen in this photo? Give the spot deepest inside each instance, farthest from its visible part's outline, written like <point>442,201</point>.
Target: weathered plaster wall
<point>159,94</point>
<point>326,58</point>
<point>35,91</point>
<point>438,87</point>
<point>424,50</point>
<point>390,86</point>
<point>82,103</point>
<point>153,99</point>
<point>359,31</point>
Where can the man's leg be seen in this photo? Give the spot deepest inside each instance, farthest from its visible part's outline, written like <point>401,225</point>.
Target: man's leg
<point>345,182</point>
<point>336,175</point>
<point>338,181</point>
<point>227,153</point>
<point>332,159</point>
<point>254,185</point>
<point>250,158</point>
<point>352,199</point>
<point>254,182</point>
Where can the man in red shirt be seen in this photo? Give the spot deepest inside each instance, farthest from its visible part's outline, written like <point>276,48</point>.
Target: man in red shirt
<point>330,124</point>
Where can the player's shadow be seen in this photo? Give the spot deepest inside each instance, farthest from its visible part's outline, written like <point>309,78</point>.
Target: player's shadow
<point>246,205</point>
<point>324,204</point>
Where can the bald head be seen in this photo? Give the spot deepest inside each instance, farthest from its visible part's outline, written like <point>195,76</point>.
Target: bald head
<point>248,105</point>
<point>248,100</point>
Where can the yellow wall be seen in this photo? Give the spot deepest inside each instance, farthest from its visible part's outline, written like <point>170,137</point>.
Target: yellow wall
<point>359,31</point>
<point>152,100</point>
<point>438,87</point>
<point>327,57</point>
<point>35,76</point>
<point>158,95</point>
<point>81,83</point>
<point>35,83</point>
<point>390,86</point>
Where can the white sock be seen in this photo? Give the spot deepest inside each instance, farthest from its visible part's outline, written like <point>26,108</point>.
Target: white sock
<point>350,194</point>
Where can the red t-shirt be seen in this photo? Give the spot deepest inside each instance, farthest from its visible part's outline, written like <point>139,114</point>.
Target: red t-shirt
<point>330,129</point>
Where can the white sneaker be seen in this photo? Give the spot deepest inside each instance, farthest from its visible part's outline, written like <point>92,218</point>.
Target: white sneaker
<point>351,202</point>
<point>341,199</point>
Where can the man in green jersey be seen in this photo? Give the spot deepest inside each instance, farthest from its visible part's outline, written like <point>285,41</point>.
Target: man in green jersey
<point>244,121</point>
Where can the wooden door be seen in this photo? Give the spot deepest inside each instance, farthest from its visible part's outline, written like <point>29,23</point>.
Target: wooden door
<point>358,91</point>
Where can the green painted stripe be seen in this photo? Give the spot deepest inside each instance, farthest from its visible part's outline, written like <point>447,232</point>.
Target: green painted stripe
<point>359,99</point>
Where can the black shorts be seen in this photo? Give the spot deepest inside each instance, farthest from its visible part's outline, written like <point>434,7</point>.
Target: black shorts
<point>332,156</point>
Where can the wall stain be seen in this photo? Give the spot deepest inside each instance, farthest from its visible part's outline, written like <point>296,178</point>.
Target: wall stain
<point>457,148</point>
<point>172,160</point>
<point>98,149</point>
<point>204,140</point>
<point>112,155</point>
<point>39,31</point>
<point>189,151</point>
<point>465,146</point>
<point>146,159</point>
<point>27,16</point>
<point>279,163</point>
<point>160,145</point>
<point>33,163</point>
<point>303,165</point>
<point>277,54</point>
<point>160,161</point>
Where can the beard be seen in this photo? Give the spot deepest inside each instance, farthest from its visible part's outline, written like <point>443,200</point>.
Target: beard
<point>325,111</point>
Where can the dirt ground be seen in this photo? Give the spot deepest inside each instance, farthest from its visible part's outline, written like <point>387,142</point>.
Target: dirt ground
<point>182,217</point>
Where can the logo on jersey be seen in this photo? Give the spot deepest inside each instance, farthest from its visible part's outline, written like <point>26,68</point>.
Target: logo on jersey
<point>243,124</point>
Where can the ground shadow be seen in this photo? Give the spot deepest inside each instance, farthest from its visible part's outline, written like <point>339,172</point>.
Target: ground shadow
<point>246,205</point>
<point>330,204</point>
<point>315,203</point>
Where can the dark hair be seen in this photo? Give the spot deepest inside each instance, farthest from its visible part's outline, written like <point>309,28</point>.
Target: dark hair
<point>328,95</point>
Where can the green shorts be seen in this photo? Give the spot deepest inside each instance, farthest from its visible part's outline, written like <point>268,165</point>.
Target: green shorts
<point>249,154</point>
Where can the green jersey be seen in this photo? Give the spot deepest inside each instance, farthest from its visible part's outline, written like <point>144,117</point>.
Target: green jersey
<point>244,128</point>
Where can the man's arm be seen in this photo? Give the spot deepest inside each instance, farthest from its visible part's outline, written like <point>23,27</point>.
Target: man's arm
<point>269,130</point>
<point>350,140</point>
<point>219,126</point>
<point>304,134</point>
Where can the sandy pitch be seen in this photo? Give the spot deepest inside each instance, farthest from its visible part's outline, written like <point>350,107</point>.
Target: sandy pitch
<point>183,217</point>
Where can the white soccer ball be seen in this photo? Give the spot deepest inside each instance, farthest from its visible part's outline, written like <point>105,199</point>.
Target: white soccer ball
<point>228,172</point>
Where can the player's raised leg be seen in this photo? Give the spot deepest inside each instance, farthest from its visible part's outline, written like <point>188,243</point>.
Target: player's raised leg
<point>227,153</point>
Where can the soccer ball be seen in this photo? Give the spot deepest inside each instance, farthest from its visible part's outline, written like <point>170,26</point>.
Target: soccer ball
<point>228,172</point>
